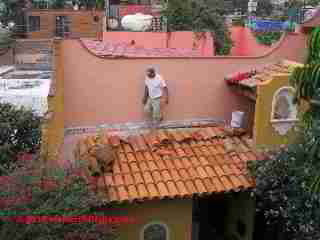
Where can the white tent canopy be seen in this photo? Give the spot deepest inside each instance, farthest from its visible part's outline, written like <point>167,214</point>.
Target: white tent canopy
<point>29,93</point>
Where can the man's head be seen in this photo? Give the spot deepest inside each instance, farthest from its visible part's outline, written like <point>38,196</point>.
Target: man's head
<point>151,72</point>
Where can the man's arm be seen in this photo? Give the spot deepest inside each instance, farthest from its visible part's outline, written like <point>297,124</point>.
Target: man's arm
<point>146,94</point>
<point>165,90</point>
<point>166,94</point>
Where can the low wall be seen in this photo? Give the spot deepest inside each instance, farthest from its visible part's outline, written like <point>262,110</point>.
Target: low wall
<point>164,40</point>
<point>101,91</point>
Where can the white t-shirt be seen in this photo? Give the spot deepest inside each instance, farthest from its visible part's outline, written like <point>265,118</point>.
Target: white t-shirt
<point>155,86</point>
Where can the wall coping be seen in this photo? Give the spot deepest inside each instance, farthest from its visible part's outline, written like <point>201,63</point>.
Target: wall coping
<point>266,54</point>
<point>137,126</point>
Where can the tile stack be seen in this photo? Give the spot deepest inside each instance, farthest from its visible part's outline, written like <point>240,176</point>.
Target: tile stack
<point>171,163</point>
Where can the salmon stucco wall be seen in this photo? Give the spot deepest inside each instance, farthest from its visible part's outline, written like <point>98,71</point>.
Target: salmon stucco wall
<point>99,91</point>
<point>265,133</point>
<point>245,43</point>
<point>181,39</point>
<point>176,214</point>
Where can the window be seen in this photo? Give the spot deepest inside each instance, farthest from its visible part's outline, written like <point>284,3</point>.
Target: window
<point>155,231</point>
<point>283,107</point>
<point>63,24</point>
<point>34,23</point>
<point>284,111</point>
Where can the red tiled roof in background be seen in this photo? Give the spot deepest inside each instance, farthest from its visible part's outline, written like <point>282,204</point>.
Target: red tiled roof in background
<point>126,50</point>
<point>174,40</point>
<point>173,163</point>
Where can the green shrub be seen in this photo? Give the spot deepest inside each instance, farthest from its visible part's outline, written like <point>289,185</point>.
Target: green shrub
<point>63,193</point>
<point>283,193</point>
<point>19,132</point>
<point>268,38</point>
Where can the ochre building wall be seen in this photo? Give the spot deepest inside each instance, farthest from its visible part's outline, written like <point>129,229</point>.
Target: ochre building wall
<point>176,214</point>
<point>265,133</point>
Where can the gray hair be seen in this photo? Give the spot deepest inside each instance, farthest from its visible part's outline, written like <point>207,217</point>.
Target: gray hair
<point>152,67</point>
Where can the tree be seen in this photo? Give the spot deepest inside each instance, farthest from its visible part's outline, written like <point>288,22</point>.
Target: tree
<point>264,8</point>
<point>242,5</point>
<point>306,79</point>
<point>19,132</point>
<point>197,16</point>
<point>313,3</point>
<point>6,39</point>
<point>288,182</point>
<point>49,194</point>
<point>283,193</point>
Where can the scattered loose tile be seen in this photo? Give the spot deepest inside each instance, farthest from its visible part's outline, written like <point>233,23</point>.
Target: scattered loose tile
<point>173,163</point>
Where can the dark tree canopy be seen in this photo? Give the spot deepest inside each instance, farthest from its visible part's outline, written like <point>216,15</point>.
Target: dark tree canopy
<point>199,16</point>
<point>19,132</point>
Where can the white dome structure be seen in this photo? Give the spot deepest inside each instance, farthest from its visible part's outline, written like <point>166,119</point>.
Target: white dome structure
<point>137,22</point>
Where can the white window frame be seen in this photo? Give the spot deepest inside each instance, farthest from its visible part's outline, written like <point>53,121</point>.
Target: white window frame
<point>294,119</point>
<point>282,126</point>
<point>152,223</point>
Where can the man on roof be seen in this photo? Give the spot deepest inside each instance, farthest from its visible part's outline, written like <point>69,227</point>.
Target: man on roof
<point>155,95</point>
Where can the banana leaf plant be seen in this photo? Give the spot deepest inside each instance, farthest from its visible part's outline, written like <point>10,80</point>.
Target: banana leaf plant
<point>306,79</point>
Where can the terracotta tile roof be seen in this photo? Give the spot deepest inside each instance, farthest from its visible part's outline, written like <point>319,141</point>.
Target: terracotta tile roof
<point>173,163</point>
<point>125,50</point>
<point>258,75</point>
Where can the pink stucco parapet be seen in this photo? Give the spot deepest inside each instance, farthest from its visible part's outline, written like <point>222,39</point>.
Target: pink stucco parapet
<point>100,91</point>
<point>163,40</point>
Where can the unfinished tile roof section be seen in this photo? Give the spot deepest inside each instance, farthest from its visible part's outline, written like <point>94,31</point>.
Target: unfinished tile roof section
<point>173,163</point>
<point>245,83</point>
<point>258,75</point>
<point>125,50</point>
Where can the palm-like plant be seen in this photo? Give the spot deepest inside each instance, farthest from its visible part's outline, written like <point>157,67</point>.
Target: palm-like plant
<point>306,79</point>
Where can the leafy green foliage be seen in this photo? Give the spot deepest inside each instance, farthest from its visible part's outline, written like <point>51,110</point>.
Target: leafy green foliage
<point>58,4</point>
<point>264,8</point>
<point>307,79</point>
<point>314,47</point>
<point>19,132</point>
<point>199,17</point>
<point>56,192</point>
<point>268,38</point>
<point>288,183</point>
<point>6,39</point>
<point>242,5</point>
<point>313,2</point>
<point>11,9</point>
<point>283,193</point>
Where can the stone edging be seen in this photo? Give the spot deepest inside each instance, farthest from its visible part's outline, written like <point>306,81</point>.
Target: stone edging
<point>133,126</point>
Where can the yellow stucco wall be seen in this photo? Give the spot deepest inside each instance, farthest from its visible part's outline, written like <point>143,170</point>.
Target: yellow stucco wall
<point>176,214</point>
<point>265,134</point>
<point>53,128</point>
